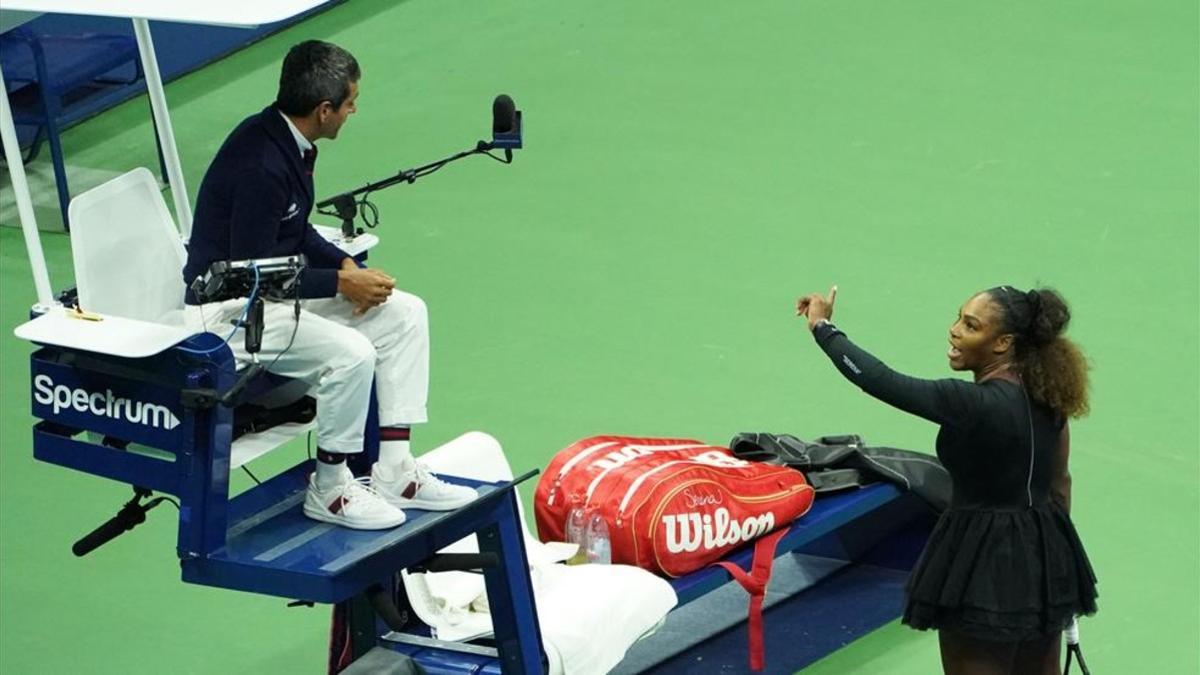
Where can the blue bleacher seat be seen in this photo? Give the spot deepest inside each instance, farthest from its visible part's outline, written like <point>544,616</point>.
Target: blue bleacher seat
<point>50,77</point>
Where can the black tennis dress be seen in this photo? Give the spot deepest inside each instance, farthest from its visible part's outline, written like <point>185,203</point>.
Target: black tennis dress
<point>1004,562</point>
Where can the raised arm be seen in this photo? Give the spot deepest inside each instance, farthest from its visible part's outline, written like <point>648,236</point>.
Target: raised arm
<point>946,402</point>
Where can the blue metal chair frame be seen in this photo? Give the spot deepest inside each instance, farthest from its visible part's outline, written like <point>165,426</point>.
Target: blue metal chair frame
<point>260,541</point>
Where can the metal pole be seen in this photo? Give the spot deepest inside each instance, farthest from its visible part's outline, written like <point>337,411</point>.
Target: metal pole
<point>16,170</point>
<point>162,124</point>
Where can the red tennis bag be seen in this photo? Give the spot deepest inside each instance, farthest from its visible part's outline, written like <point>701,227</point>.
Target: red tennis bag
<point>671,505</point>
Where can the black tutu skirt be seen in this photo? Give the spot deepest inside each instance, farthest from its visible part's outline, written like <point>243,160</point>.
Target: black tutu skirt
<point>1001,574</point>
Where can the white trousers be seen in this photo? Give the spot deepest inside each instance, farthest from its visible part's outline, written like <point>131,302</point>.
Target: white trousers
<point>340,354</point>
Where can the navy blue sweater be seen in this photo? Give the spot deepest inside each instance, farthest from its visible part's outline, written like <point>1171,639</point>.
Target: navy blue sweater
<point>255,201</point>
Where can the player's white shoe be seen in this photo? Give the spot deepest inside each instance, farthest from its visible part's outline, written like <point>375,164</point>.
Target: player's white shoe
<point>351,503</point>
<point>411,485</point>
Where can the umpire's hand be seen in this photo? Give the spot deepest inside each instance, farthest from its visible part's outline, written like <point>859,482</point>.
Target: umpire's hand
<point>365,288</point>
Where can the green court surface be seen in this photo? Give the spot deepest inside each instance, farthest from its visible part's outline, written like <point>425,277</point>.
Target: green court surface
<point>690,169</point>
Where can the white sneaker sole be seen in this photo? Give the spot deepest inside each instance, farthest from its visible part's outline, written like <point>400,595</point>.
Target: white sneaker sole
<point>325,516</point>
<point>426,505</point>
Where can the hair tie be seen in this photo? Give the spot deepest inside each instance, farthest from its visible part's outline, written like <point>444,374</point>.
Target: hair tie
<point>1019,318</point>
<point>1035,303</point>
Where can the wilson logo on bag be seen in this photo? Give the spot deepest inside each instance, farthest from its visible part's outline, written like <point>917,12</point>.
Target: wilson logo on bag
<point>670,505</point>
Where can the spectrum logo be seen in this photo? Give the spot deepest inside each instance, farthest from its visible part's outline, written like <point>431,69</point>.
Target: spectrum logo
<point>61,397</point>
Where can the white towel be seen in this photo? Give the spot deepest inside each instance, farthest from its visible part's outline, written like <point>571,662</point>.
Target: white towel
<point>589,614</point>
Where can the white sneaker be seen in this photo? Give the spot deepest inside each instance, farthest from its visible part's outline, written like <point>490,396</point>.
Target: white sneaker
<point>350,504</point>
<point>410,485</point>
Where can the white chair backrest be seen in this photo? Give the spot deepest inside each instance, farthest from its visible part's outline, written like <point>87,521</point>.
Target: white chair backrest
<point>127,251</point>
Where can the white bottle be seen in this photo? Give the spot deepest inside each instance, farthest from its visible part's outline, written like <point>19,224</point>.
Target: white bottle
<point>575,526</point>
<point>599,550</point>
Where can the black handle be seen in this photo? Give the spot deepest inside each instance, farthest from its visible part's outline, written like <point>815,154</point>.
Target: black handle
<point>1073,650</point>
<point>130,515</point>
<point>230,398</point>
<point>456,562</point>
<point>381,602</point>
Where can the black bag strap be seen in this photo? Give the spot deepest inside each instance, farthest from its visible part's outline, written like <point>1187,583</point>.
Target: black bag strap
<point>832,480</point>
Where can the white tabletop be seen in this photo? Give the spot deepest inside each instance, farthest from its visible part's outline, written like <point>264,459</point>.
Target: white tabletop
<point>112,335</point>
<point>359,244</point>
<point>222,12</point>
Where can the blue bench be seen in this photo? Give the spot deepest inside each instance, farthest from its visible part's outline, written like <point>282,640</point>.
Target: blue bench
<point>839,574</point>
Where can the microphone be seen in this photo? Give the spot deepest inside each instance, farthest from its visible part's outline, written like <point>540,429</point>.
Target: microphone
<point>506,125</point>
<point>503,114</point>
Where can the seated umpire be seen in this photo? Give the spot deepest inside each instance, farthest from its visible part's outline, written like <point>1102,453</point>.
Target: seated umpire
<point>354,327</point>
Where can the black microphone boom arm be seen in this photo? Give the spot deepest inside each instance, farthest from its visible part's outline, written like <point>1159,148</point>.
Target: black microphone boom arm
<point>506,135</point>
<point>345,206</point>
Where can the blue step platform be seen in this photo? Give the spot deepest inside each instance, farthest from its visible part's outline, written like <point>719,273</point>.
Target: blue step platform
<point>272,548</point>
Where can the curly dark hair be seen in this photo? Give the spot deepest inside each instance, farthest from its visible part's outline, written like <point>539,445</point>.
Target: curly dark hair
<point>1052,367</point>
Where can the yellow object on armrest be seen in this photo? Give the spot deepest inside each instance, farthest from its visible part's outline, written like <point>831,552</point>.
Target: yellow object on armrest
<point>78,313</point>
